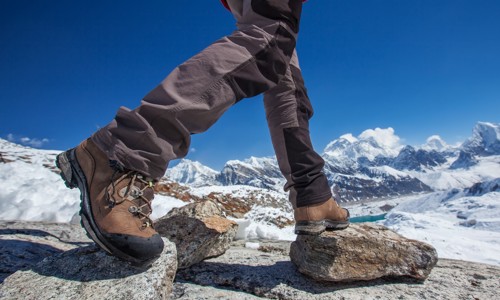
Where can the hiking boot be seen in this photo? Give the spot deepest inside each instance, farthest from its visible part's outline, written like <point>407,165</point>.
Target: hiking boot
<point>316,218</point>
<point>116,204</point>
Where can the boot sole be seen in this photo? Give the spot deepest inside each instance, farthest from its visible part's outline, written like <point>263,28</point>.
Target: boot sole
<point>73,177</point>
<point>318,227</point>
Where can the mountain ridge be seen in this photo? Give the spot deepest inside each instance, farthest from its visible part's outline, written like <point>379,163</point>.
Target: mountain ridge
<point>375,164</point>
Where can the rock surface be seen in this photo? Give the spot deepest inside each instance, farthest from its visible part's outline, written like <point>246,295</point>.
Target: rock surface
<point>364,251</point>
<point>274,276</point>
<point>241,273</point>
<point>89,273</point>
<point>198,230</point>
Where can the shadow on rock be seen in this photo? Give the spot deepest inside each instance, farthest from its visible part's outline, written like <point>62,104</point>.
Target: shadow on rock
<point>89,273</point>
<point>17,255</point>
<point>86,264</point>
<point>273,280</point>
<point>37,233</point>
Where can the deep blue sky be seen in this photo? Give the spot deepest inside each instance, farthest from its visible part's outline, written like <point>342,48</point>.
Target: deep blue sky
<point>422,67</point>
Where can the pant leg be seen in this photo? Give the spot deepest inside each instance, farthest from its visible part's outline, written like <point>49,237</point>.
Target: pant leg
<point>288,111</point>
<point>250,61</point>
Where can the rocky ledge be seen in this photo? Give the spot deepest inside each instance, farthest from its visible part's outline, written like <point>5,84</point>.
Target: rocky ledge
<point>32,255</point>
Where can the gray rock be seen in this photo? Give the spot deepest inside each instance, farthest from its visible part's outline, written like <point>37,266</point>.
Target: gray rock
<point>24,244</point>
<point>198,230</point>
<point>242,272</point>
<point>364,251</point>
<point>89,273</point>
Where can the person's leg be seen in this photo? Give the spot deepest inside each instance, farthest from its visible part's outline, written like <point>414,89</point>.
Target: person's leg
<point>139,143</point>
<point>246,63</point>
<point>288,111</point>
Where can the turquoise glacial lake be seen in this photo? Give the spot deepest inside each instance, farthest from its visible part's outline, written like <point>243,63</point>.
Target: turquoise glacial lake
<point>372,218</point>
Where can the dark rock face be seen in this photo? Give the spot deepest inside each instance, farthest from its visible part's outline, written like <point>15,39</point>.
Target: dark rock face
<point>465,160</point>
<point>482,188</point>
<point>347,188</point>
<point>411,159</point>
<point>264,174</point>
<point>362,252</point>
<point>198,230</point>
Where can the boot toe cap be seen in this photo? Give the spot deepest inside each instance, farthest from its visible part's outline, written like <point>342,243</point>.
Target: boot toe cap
<point>137,250</point>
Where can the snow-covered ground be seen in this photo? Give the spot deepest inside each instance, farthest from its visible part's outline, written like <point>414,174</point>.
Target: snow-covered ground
<point>444,178</point>
<point>458,225</point>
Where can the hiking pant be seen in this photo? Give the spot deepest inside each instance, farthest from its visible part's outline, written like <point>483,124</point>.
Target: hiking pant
<point>259,57</point>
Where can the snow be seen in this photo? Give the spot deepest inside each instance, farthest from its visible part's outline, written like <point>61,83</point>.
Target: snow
<point>369,144</point>
<point>250,230</point>
<point>251,245</point>
<point>457,225</point>
<point>192,173</point>
<point>443,178</point>
<point>29,192</point>
<point>435,142</point>
<point>388,171</point>
<point>163,204</point>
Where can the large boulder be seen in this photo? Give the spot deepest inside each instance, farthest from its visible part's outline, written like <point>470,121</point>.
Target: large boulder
<point>89,273</point>
<point>199,231</point>
<point>362,252</point>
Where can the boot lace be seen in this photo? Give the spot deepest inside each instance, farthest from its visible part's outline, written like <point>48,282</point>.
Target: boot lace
<point>134,192</point>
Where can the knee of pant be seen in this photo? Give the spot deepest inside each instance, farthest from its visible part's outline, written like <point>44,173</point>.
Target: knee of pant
<point>285,11</point>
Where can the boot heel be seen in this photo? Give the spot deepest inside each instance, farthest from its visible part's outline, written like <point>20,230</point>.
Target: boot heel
<point>310,227</point>
<point>64,164</point>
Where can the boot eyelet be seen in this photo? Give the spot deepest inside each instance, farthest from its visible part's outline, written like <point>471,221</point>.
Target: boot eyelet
<point>134,209</point>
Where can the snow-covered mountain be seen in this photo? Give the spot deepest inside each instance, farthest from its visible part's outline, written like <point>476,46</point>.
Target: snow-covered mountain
<point>193,173</point>
<point>260,172</point>
<point>485,140</point>
<point>374,164</point>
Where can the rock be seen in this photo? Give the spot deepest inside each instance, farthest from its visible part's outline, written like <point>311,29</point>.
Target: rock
<point>198,230</point>
<point>24,244</point>
<point>243,273</point>
<point>362,252</point>
<point>274,276</point>
<point>89,273</point>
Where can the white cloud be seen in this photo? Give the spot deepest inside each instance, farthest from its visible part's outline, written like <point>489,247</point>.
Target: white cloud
<point>27,141</point>
<point>192,150</point>
<point>383,137</point>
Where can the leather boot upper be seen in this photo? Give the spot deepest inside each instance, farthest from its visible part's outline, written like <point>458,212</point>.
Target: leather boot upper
<point>328,210</point>
<point>120,200</point>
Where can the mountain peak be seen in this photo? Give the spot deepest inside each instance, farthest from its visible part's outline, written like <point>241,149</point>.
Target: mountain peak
<point>369,144</point>
<point>191,172</point>
<point>435,142</point>
<point>485,139</point>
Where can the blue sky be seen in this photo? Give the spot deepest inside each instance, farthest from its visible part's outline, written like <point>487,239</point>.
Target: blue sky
<point>422,67</point>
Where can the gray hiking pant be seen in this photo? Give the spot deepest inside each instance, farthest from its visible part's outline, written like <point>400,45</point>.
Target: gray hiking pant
<point>259,57</point>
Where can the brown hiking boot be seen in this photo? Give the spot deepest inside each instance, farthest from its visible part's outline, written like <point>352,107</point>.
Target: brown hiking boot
<point>316,218</point>
<point>116,204</point>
